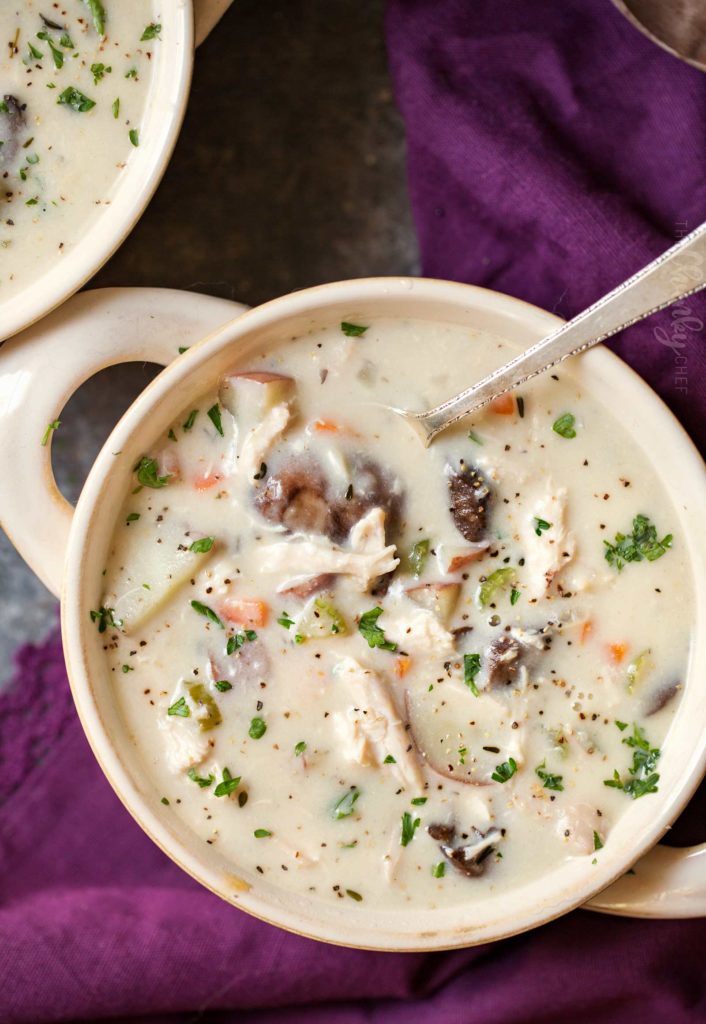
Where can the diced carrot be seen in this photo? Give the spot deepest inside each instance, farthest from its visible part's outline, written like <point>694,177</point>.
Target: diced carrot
<point>204,483</point>
<point>322,426</point>
<point>402,666</point>
<point>617,652</point>
<point>245,611</point>
<point>586,630</point>
<point>503,405</point>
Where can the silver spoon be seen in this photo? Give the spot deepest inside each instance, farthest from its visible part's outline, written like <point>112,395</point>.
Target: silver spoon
<point>678,272</point>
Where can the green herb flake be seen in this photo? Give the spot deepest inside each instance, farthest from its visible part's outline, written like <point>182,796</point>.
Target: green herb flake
<point>127,668</point>
<point>354,895</point>
<point>504,772</point>
<point>222,685</point>
<point>515,596</point>
<point>208,613</point>
<point>299,748</point>
<point>498,580</point>
<point>642,543</point>
<point>98,14</point>
<point>258,728</point>
<point>132,73</point>
<point>371,632</point>
<point>203,545</point>
<point>597,842</point>
<point>105,617</point>
<point>345,805</point>
<point>472,436</point>
<point>147,471</point>
<point>134,137</point>
<point>164,801</point>
<point>642,778</point>
<point>438,870</point>
<point>116,108</point>
<point>51,427</point>
<point>76,100</point>
<point>214,414</point>
<point>352,330</point>
<point>262,833</point>
<point>151,32</point>
<point>284,620</point>
<point>182,349</point>
<point>99,71</point>
<point>132,517</point>
<point>190,419</point>
<point>565,425</point>
<point>419,801</point>
<point>34,53</point>
<point>171,435</point>
<point>621,725</point>
<point>389,759</point>
<point>408,827</point>
<point>471,668</point>
<point>228,785</point>
<point>179,708</point>
<point>200,781</point>
<point>541,525</point>
<point>554,782</point>
<point>417,557</point>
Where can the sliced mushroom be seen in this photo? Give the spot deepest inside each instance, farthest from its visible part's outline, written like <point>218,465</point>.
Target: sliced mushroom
<point>661,697</point>
<point>470,497</point>
<point>12,121</point>
<point>467,857</point>
<point>503,661</point>
<point>312,585</point>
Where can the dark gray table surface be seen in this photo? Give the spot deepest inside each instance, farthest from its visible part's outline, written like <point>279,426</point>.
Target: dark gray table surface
<point>289,172</point>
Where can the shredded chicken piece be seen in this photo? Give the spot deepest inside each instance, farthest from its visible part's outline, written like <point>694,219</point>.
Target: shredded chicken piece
<point>372,728</point>
<point>581,821</point>
<point>367,557</point>
<point>259,439</point>
<point>186,745</point>
<point>549,552</point>
<point>418,630</point>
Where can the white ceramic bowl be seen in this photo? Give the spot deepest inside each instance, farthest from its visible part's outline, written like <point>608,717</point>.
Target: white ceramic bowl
<point>67,548</point>
<point>164,112</point>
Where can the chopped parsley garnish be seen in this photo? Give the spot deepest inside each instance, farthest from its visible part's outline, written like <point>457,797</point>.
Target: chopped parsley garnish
<point>261,833</point>
<point>550,781</point>
<point>127,668</point>
<point>214,414</point>
<point>207,612</point>
<point>98,15</point>
<point>418,556</point>
<point>132,73</point>
<point>183,348</point>
<point>418,801</point>
<point>284,620</point>
<point>565,425</point>
<point>164,801</point>
<point>179,708</point>
<point>201,546</point>
<point>151,32</point>
<point>540,525</point>
<point>597,842</point>
<point>515,596</point>
<point>116,108</point>
<point>354,895</point>
<point>472,436</point>
<point>409,827</point>
<point>171,435</point>
<point>204,783</point>
<point>106,617</point>
<point>503,772</point>
<point>237,640</point>
<point>438,870</point>
<point>132,517</point>
<point>642,543</point>
<point>471,668</point>
<point>222,685</point>
<point>99,71</point>
<point>621,725</point>
<point>343,808</point>
<point>51,427</point>
<point>56,53</point>
<point>34,53</point>
<point>371,632</point>
<point>498,580</point>
<point>228,785</point>
<point>389,759</point>
<point>352,330</point>
<point>190,419</point>
<point>300,748</point>
<point>258,728</point>
<point>76,100</point>
<point>148,473</point>
<point>643,778</point>
<point>134,137</point>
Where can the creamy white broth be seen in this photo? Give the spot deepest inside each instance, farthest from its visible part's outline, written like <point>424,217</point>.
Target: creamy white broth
<point>60,165</point>
<point>585,646</point>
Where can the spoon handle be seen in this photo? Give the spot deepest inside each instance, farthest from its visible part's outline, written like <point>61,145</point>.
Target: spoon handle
<point>678,272</point>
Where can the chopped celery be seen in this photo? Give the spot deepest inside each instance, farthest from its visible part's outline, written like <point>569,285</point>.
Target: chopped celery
<point>207,714</point>
<point>498,580</point>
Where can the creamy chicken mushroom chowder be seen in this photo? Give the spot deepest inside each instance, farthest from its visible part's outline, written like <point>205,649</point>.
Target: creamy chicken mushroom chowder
<point>373,672</point>
<point>74,77</point>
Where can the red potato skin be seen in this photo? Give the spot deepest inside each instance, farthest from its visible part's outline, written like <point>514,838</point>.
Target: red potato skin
<point>444,773</point>
<point>311,586</point>
<point>459,561</point>
<point>259,376</point>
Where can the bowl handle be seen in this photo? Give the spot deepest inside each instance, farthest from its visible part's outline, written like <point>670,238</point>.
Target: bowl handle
<point>42,367</point>
<point>207,14</point>
<point>666,882</point>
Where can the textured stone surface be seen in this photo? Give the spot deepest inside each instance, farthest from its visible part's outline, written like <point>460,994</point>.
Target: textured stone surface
<point>289,172</point>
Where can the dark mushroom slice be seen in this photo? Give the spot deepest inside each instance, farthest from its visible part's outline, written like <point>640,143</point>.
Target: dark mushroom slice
<point>469,501</point>
<point>370,487</point>
<point>470,858</point>
<point>311,585</point>
<point>503,659</point>
<point>296,497</point>
<point>661,697</point>
<point>12,123</point>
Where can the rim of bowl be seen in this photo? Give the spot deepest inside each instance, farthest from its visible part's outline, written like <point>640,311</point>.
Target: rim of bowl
<point>519,909</point>
<point>165,107</point>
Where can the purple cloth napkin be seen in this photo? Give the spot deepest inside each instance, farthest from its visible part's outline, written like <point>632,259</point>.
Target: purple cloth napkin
<point>552,151</point>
